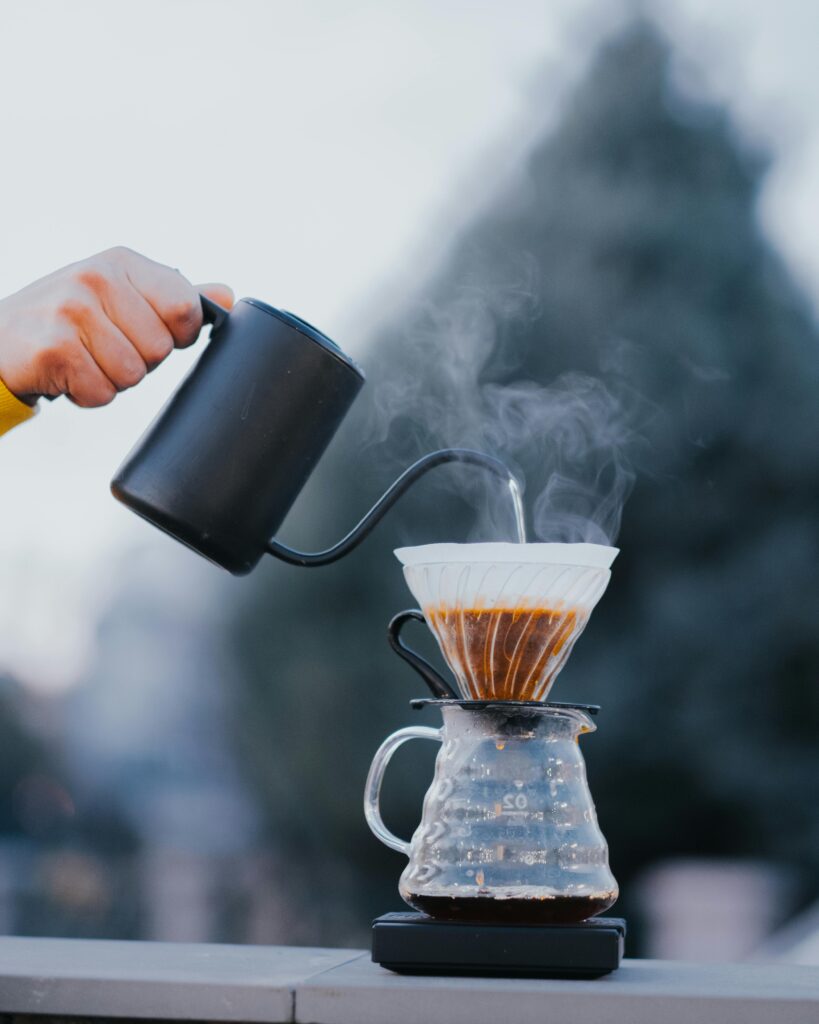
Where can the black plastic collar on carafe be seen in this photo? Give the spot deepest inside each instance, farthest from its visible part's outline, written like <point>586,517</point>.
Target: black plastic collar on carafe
<point>479,705</point>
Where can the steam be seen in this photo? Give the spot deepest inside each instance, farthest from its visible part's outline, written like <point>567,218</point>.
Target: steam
<point>570,440</point>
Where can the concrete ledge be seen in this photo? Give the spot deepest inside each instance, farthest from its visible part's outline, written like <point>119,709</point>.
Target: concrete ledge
<point>157,980</point>
<point>169,981</point>
<point>641,992</point>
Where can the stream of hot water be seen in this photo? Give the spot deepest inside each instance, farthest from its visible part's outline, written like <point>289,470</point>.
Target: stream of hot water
<point>517,502</point>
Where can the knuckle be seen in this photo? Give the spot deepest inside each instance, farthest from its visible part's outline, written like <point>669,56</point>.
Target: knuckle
<point>155,350</point>
<point>95,275</point>
<point>184,320</point>
<point>118,254</point>
<point>131,373</point>
<point>56,361</point>
<point>74,302</point>
<point>94,394</point>
<point>185,317</point>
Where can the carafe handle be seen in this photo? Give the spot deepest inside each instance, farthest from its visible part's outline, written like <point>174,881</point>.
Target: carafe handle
<point>372,789</point>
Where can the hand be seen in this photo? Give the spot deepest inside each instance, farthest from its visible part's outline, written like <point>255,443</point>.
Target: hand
<point>97,327</point>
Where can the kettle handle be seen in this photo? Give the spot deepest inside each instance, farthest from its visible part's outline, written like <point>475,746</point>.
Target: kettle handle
<point>434,680</point>
<point>212,312</point>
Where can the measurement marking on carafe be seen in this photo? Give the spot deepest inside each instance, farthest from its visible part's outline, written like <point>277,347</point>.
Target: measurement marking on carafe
<point>515,801</point>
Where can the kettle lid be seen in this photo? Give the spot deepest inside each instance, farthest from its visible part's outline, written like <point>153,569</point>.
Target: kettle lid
<point>309,331</point>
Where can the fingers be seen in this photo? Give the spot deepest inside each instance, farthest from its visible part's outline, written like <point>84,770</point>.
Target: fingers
<point>74,372</point>
<point>171,296</point>
<point>98,326</point>
<point>139,322</point>
<point>117,358</point>
<point>89,387</point>
<point>221,294</point>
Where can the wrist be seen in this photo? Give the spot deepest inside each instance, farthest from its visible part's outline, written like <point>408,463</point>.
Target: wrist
<point>12,387</point>
<point>12,409</point>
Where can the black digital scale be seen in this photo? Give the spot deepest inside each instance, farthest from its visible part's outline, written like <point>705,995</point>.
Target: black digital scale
<point>412,943</point>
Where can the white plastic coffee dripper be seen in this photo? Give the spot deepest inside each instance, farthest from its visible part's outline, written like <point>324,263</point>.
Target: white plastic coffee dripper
<point>549,591</point>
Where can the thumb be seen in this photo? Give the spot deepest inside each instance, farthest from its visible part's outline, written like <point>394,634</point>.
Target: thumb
<point>218,293</point>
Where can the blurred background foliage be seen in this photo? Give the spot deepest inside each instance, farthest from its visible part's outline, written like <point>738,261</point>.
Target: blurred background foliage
<point>627,248</point>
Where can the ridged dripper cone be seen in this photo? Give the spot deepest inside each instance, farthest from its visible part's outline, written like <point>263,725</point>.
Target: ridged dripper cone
<point>506,616</point>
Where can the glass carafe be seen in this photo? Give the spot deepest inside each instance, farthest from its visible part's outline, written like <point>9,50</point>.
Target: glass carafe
<point>508,830</point>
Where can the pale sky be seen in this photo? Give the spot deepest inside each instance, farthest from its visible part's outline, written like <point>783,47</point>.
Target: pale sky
<point>316,155</point>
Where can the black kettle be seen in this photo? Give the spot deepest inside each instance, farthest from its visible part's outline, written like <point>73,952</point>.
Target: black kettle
<point>223,462</point>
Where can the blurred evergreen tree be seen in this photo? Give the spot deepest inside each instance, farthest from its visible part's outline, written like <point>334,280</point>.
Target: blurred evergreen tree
<point>629,248</point>
<point>67,860</point>
<point>81,879</point>
<point>22,756</point>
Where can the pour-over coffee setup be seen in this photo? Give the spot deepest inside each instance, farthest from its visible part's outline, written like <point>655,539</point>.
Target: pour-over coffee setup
<point>508,837</point>
<point>508,869</point>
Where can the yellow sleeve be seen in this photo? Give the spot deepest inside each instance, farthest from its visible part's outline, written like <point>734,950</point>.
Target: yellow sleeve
<point>12,410</point>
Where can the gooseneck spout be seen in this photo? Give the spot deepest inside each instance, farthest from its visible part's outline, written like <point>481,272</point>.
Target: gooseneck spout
<point>391,496</point>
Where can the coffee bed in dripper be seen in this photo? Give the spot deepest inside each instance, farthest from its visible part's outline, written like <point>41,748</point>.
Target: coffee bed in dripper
<point>509,837</point>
